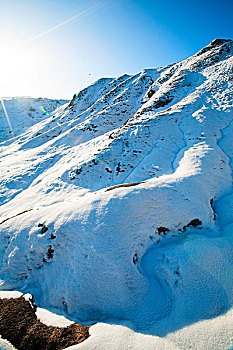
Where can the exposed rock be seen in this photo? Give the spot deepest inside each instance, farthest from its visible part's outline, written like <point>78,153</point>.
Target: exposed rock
<point>20,326</point>
<point>124,185</point>
<point>162,229</point>
<point>217,42</point>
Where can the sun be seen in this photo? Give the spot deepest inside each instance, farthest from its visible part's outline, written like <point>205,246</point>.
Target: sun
<point>16,70</point>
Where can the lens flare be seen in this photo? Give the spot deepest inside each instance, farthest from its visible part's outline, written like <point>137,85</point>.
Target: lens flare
<point>104,164</point>
<point>42,109</point>
<point>7,117</point>
<point>78,140</point>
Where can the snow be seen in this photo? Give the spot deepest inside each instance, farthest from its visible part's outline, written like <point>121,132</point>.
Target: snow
<point>23,112</point>
<point>5,345</point>
<point>214,334</point>
<point>93,252</point>
<point>51,319</point>
<point>45,316</point>
<point>10,294</point>
<point>121,337</point>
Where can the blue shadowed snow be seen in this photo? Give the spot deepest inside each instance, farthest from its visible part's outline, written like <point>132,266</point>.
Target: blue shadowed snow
<point>118,207</point>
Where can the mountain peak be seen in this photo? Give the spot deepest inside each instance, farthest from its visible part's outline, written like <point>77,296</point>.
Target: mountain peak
<point>217,42</point>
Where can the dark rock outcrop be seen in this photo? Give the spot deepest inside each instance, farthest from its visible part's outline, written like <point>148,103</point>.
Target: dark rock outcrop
<point>20,326</point>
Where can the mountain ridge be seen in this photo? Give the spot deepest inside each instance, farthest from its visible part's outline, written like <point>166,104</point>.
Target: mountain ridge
<point>116,188</point>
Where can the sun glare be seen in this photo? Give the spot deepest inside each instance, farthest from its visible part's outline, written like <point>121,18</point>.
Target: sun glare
<point>16,67</point>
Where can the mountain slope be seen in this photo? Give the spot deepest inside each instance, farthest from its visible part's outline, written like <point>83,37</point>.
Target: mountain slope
<point>118,205</point>
<point>22,113</point>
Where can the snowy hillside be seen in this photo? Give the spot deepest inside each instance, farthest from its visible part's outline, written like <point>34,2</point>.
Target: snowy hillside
<point>117,207</point>
<point>24,112</point>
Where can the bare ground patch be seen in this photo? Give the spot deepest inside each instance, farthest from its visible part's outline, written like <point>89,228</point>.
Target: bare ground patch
<point>124,185</point>
<point>20,326</point>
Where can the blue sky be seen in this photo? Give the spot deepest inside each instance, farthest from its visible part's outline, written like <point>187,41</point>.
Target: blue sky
<point>42,56</point>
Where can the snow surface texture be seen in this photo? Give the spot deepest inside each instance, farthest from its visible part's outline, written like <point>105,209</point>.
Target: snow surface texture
<point>24,112</point>
<point>118,206</point>
<point>5,345</point>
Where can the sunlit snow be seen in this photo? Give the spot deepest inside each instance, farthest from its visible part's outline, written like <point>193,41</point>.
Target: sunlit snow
<point>117,207</point>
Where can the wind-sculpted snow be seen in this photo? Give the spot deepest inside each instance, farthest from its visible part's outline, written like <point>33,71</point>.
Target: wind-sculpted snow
<point>118,205</point>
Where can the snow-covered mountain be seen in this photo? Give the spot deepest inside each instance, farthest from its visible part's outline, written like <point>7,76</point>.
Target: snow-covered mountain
<point>23,112</point>
<point>117,207</point>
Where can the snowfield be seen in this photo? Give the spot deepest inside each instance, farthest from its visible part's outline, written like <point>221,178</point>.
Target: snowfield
<point>117,207</point>
<point>23,112</point>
